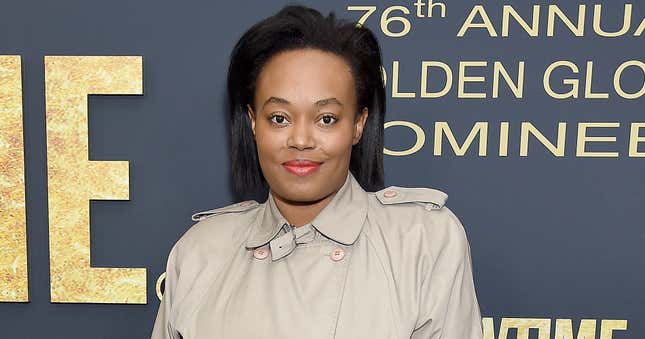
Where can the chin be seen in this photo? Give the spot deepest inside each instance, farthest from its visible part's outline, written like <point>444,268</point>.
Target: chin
<point>302,190</point>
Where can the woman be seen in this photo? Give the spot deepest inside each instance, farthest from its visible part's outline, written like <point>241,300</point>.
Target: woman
<point>324,256</point>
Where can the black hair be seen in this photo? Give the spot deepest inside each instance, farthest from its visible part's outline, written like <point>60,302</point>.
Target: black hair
<point>299,27</point>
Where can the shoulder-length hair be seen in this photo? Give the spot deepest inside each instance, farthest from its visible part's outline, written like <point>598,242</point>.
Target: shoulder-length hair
<point>299,27</point>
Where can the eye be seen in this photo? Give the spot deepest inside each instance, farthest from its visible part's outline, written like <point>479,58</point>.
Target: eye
<point>328,119</point>
<point>279,119</point>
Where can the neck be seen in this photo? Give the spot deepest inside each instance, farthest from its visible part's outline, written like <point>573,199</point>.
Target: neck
<point>300,213</point>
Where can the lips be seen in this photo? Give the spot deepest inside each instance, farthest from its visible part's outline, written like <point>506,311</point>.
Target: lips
<point>301,167</point>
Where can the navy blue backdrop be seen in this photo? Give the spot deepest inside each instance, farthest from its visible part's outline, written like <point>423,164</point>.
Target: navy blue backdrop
<point>552,236</point>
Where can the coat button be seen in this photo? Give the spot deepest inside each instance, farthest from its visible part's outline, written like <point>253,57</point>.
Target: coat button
<point>246,203</point>
<point>390,194</point>
<point>261,253</point>
<point>337,254</point>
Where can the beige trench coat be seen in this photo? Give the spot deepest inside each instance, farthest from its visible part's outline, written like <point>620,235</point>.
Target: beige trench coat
<point>389,264</point>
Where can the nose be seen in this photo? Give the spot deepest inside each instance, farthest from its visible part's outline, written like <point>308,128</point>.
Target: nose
<point>301,136</point>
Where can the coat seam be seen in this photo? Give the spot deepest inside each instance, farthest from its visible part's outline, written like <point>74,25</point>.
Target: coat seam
<point>389,283</point>
<point>339,300</point>
<point>201,300</point>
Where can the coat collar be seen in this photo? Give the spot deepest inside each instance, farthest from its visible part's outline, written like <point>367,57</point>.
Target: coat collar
<point>341,219</point>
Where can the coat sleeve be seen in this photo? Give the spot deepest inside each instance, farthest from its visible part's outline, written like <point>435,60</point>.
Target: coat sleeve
<point>448,306</point>
<point>163,329</point>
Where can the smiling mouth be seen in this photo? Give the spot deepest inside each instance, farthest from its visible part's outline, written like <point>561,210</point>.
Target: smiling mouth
<point>301,167</point>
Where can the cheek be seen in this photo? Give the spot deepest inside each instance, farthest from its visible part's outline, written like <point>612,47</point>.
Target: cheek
<point>338,143</point>
<point>268,144</point>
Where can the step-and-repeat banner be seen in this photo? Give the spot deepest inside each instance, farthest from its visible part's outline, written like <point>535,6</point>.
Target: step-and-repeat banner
<point>529,114</point>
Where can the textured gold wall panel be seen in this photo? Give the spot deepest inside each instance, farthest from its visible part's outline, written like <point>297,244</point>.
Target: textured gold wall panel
<point>73,179</point>
<point>13,230</point>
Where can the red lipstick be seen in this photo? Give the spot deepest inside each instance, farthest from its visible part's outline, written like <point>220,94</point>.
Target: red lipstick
<point>301,167</point>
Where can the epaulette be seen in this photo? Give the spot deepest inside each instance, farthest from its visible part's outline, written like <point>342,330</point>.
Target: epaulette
<point>430,197</point>
<point>238,207</point>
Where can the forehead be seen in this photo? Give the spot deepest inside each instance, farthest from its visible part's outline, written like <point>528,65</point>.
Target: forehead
<point>306,75</point>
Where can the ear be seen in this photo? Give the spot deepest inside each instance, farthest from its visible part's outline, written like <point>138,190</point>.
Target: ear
<point>251,115</point>
<point>359,124</point>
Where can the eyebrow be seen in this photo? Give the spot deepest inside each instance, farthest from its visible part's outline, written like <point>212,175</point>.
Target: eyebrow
<point>319,103</point>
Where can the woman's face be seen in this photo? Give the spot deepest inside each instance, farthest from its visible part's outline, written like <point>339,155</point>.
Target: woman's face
<point>305,123</point>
